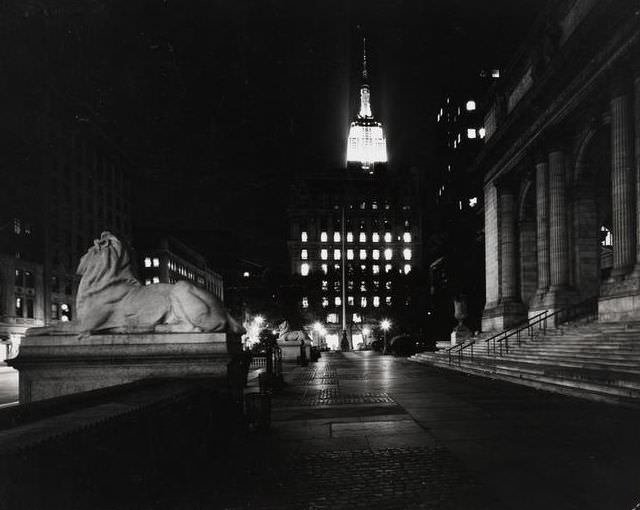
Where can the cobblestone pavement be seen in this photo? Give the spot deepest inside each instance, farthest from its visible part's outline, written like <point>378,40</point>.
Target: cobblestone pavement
<point>335,443</point>
<point>361,430</point>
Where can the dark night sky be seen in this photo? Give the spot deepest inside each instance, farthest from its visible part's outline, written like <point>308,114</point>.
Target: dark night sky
<point>221,103</point>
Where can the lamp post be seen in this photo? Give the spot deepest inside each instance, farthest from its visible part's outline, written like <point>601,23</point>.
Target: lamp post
<point>385,325</point>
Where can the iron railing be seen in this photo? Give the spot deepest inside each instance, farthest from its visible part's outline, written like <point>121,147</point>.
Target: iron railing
<point>499,343</point>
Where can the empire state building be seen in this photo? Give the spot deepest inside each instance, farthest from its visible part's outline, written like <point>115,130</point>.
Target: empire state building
<point>366,145</point>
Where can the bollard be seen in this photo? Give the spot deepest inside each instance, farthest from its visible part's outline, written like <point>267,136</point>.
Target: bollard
<point>258,409</point>
<point>303,361</point>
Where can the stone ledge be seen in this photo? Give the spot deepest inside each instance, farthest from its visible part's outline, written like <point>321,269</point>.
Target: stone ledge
<point>51,366</point>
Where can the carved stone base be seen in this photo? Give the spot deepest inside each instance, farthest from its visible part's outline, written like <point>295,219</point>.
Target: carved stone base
<point>61,364</point>
<point>291,351</point>
<point>502,316</point>
<point>460,334</point>
<point>619,300</point>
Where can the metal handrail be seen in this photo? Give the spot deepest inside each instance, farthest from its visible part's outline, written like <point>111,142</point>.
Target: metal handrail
<point>541,320</point>
<point>470,344</point>
<point>559,317</point>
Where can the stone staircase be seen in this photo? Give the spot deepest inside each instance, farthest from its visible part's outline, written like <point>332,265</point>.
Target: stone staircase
<point>599,361</point>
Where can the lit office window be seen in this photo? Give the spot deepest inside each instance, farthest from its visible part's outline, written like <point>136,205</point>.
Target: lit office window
<point>387,285</point>
<point>471,133</point>
<point>324,254</point>
<point>406,254</point>
<point>387,237</point>
<point>363,267</point>
<point>482,132</point>
<point>375,237</point>
<point>350,300</point>
<point>336,254</point>
<point>147,262</point>
<point>495,73</point>
<point>357,318</point>
<point>303,237</point>
<point>332,318</point>
<point>387,268</point>
<point>407,268</point>
<point>349,254</point>
<point>363,254</point>
<point>376,301</point>
<point>375,269</point>
<point>324,237</point>
<point>325,268</point>
<point>305,302</point>
<point>375,254</point>
<point>155,279</point>
<point>473,201</point>
<point>337,301</point>
<point>325,285</point>
<point>471,105</point>
<point>304,269</point>
<point>363,237</point>
<point>147,281</point>
<point>363,302</point>
<point>156,262</point>
<point>388,254</point>
<point>406,237</point>
<point>387,300</point>
<point>325,301</point>
<point>304,254</point>
<point>336,237</point>
<point>349,237</point>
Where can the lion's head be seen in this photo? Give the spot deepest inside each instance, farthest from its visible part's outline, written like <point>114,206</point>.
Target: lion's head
<point>105,261</point>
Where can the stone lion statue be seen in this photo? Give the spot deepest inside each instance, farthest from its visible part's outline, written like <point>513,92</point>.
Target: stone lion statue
<point>285,335</point>
<point>111,300</point>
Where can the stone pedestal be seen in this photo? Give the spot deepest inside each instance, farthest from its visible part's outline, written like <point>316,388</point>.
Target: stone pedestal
<point>291,350</point>
<point>460,335</point>
<point>619,301</point>
<point>502,316</point>
<point>61,364</point>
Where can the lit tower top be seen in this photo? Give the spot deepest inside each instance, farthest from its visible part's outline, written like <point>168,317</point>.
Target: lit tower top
<point>367,144</point>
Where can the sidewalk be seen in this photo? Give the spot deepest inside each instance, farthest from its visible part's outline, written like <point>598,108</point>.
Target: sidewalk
<point>339,440</point>
<point>360,430</point>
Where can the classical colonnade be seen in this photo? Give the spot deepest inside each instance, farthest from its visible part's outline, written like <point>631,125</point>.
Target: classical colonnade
<point>555,261</point>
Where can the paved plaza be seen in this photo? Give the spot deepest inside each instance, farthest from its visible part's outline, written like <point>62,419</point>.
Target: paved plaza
<point>361,430</point>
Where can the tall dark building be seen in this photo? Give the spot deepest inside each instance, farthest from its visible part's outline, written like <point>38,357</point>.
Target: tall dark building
<point>73,185</point>
<point>456,244</point>
<point>355,242</point>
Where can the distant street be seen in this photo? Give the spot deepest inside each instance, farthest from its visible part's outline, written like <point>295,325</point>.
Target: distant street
<point>8,385</point>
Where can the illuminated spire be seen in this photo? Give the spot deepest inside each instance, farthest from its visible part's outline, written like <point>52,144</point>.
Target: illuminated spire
<point>365,76</point>
<point>365,95</point>
<point>366,144</point>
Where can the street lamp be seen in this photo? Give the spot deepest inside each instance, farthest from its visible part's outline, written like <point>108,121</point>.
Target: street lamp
<point>385,325</point>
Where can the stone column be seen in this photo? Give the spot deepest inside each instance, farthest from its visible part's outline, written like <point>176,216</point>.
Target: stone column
<point>622,185</point>
<point>636,121</point>
<point>508,274</point>
<point>492,274</point>
<point>558,246</point>
<point>542,220</point>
